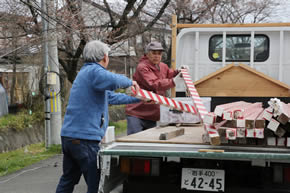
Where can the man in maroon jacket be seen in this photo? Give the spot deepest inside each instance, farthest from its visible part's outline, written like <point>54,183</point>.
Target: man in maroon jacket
<point>152,75</point>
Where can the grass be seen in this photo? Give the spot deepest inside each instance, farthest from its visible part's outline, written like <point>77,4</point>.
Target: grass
<point>20,158</point>
<point>120,127</point>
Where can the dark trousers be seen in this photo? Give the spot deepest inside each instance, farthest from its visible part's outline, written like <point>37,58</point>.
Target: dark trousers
<point>135,124</point>
<point>79,158</point>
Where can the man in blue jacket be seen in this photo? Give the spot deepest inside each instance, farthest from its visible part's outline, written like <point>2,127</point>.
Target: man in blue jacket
<point>86,117</point>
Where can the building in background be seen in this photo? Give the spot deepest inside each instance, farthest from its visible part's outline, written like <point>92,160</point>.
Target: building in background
<point>3,101</point>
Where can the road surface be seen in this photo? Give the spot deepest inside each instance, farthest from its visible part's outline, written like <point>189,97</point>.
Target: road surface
<point>41,177</point>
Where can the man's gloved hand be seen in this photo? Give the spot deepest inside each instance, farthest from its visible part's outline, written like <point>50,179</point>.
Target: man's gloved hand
<point>136,86</point>
<point>129,89</point>
<point>178,76</point>
<point>183,67</point>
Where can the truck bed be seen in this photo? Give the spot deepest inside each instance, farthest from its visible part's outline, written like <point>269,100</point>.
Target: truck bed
<point>147,143</point>
<point>192,135</point>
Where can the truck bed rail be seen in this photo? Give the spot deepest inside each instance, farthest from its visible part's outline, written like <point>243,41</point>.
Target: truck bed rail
<point>192,151</point>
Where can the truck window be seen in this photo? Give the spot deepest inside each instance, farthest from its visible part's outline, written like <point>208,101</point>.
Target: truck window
<point>238,48</point>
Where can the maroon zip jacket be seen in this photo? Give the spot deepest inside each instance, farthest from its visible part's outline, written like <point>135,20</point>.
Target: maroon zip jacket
<point>150,78</point>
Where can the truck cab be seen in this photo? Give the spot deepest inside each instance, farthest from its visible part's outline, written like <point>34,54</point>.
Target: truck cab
<point>209,48</point>
<point>205,48</point>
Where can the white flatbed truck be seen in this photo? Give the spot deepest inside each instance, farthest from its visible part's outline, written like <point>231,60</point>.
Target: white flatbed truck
<point>143,163</point>
<point>185,164</point>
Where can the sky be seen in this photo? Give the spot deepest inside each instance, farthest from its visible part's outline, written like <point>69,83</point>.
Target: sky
<point>282,12</point>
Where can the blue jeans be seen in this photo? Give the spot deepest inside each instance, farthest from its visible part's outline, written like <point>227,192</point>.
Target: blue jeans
<point>135,124</point>
<point>79,158</point>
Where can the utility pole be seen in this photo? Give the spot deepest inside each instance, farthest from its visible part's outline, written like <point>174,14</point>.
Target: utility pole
<point>53,119</point>
<point>44,19</point>
<point>55,98</point>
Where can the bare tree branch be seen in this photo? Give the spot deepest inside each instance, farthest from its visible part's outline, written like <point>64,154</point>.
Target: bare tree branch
<point>158,15</point>
<point>113,22</point>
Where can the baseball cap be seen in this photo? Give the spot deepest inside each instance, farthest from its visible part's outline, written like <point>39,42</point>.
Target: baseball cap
<point>154,46</point>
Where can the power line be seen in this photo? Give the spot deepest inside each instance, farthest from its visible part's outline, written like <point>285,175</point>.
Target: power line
<point>40,11</point>
<point>48,17</point>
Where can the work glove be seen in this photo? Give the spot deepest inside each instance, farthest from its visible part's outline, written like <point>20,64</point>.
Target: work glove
<point>178,76</point>
<point>129,90</point>
<point>136,86</point>
<point>183,67</point>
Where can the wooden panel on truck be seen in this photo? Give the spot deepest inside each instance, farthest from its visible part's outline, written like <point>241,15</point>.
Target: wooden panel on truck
<point>241,81</point>
<point>192,135</point>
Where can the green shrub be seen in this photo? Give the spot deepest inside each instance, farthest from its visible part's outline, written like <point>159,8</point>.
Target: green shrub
<point>20,120</point>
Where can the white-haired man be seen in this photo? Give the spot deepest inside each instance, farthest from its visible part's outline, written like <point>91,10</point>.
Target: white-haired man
<point>86,117</point>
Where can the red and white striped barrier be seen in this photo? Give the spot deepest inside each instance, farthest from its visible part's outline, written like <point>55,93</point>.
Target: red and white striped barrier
<point>220,110</point>
<point>197,101</point>
<point>148,95</point>
<point>194,94</point>
<point>212,133</point>
<point>197,108</point>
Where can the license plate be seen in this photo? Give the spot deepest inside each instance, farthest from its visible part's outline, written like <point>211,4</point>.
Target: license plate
<point>203,179</point>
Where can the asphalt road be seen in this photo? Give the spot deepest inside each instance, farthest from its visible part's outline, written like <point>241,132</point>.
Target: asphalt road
<point>41,177</point>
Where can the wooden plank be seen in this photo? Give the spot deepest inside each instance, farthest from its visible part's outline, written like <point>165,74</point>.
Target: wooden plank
<point>214,74</point>
<point>280,132</point>
<point>273,125</point>
<point>283,118</point>
<point>242,111</point>
<point>192,135</point>
<point>284,113</point>
<point>267,114</point>
<point>222,133</point>
<point>173,47</point>
<point>209,118</point>
<point>211,150</point>
<point>232,25</point>
<point>251,117</point>
<point>260,122</point>
<point>213,134</point>
<point>241,81</point>
<point>171,134</point>
<point>286,86</point>
<point>231,124</point>
<point>220,109</point>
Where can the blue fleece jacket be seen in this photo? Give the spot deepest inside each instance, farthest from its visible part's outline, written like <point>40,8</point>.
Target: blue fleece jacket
<point>87,111</point>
